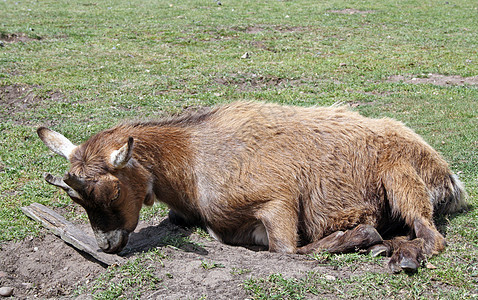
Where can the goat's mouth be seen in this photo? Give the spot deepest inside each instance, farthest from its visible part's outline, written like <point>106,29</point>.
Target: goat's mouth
<point>112,241</point>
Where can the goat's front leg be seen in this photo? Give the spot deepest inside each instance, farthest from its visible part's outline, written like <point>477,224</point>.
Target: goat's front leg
<point>409,199</point>
<point>280,220</point>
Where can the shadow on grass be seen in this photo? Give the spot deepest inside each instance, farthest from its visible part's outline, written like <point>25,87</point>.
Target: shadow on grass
<point>162,235</point>
<point>443,221</point>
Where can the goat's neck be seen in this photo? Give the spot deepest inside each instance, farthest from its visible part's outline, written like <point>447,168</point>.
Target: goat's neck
<point>168,154</point>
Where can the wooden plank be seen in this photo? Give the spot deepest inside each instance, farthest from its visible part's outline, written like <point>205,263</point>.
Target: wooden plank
<point>68,232</point>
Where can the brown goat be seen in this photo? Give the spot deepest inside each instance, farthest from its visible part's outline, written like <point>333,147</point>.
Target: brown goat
<point>293,179</point>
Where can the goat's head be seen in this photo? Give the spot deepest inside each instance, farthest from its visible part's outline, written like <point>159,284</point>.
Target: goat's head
<point>106,181</point>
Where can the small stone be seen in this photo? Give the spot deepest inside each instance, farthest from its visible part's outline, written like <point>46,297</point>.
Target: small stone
<point>330,277</point>
<point>245,56</point>
<point>430,266</point>
<point>27,285</point>
<point>35,249</point>
<point>342,64</point>
<point>6,291</point>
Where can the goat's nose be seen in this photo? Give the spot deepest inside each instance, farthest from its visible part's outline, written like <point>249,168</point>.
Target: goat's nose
<point>102,241</point>
<point>112,241</point>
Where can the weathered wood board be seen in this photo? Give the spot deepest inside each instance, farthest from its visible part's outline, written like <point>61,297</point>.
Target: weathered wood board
<point>68,232</point>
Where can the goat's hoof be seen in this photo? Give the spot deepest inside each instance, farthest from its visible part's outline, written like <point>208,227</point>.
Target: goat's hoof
<point>394,267</point>
<point>379,250</point>
<point>409,265</point>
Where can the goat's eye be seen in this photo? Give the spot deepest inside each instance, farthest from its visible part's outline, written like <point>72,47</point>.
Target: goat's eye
<point>116,191</point>
<point>117,194</point>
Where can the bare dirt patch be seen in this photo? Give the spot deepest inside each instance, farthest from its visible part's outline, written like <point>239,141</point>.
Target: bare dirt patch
<point>17,37</point>
<point>436,79</point>
<point>255,29</point>
<point>351,11</point>
<point>263,46</point>
<point>17,99</point>
<point>249,82</point>
<point>45,267</point>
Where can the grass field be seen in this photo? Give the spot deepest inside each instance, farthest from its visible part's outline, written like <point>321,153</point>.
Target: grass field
<point>80,67</point>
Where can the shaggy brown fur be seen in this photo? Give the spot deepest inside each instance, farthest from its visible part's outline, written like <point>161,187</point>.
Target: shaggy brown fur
<point>278,176</point>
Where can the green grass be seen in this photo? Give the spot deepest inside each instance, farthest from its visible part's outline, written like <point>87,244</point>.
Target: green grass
<point>210,265</point>
<point>338,261</point>
<point>127,281</point>
<point>426,284</point>
<point>86,65</point>
<point>277,287</point>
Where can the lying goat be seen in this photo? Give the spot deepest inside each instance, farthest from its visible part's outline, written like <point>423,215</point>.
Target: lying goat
<point>293,179</point>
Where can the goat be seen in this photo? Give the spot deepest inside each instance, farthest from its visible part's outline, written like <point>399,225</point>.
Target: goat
<point>293,179</point>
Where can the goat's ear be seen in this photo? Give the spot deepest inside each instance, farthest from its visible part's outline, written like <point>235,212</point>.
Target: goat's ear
<point>56,142</point>
<point>120,158</point>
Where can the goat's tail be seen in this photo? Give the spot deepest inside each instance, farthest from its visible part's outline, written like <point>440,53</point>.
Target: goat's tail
<point>449,198</point>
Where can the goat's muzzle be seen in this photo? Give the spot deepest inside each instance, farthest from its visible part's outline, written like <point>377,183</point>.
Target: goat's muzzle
<point>112,241</point>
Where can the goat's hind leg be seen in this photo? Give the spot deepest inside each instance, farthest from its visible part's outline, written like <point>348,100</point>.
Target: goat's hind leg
<point>361,237</point>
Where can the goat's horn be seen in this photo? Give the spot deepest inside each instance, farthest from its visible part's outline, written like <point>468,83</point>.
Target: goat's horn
<point>59,182</point>
<point>75,182</point>
<point>54,180</point>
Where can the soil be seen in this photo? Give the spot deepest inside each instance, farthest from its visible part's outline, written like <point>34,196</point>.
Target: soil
<point>249,81</point>
<point>18,99</point>
<point>46,267</point>
<point>261,28</point>
<point>436,79</point>
<point>17,37</point>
